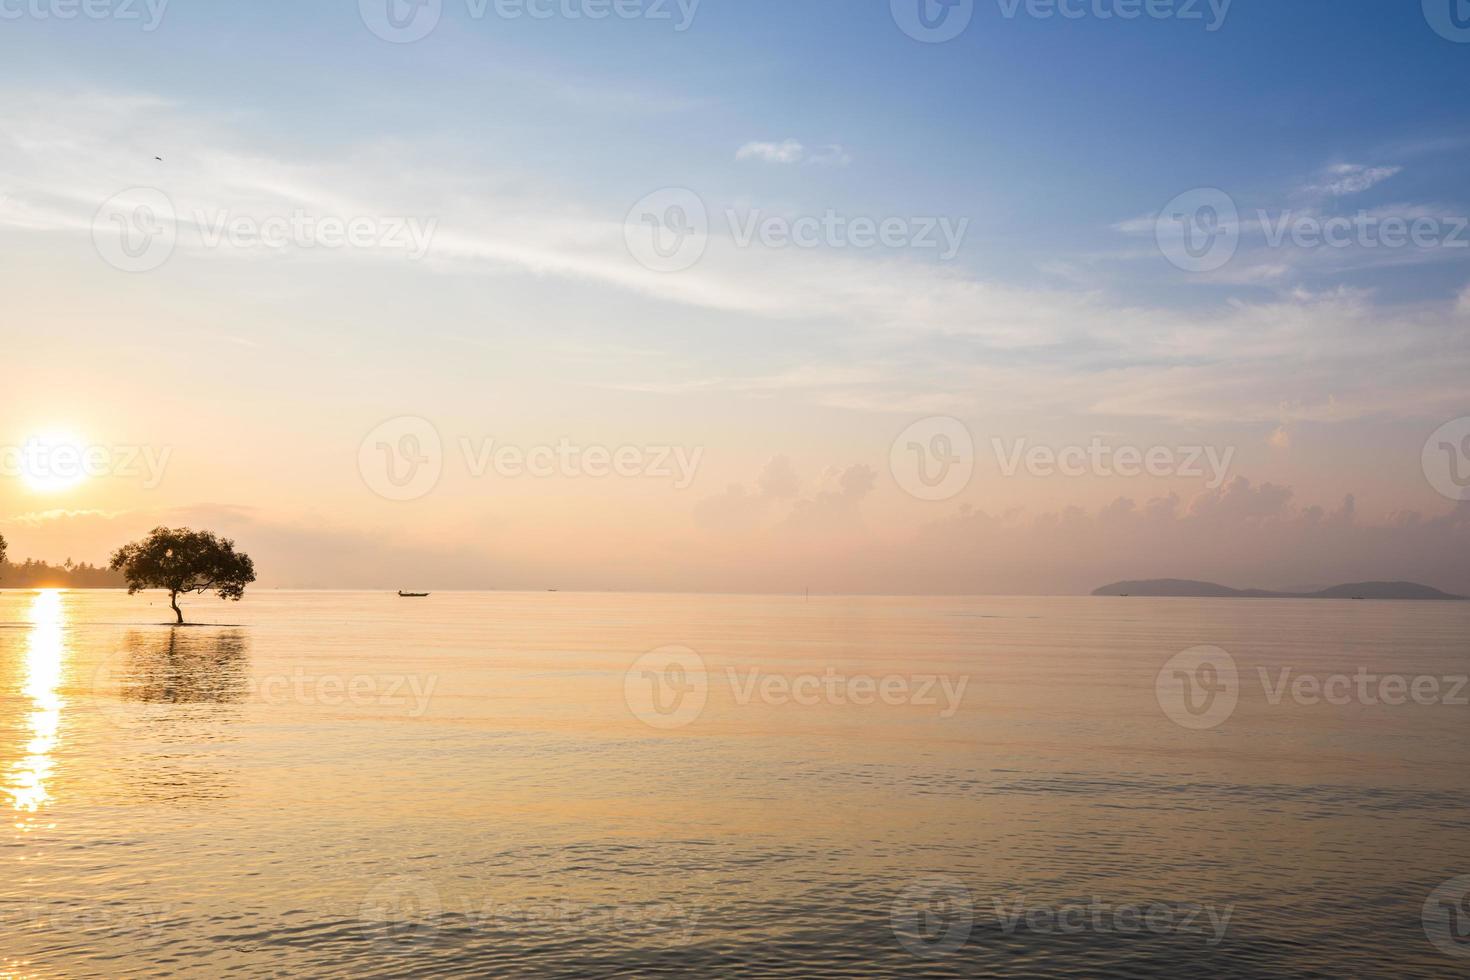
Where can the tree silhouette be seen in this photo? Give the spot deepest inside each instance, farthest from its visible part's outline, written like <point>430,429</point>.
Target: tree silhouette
<point>181,560</point>
<point>2,551</point>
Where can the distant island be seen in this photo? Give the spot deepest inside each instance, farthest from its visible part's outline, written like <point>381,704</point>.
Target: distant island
<point>1183,588</point>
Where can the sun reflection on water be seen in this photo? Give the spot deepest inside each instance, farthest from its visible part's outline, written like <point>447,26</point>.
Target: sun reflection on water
<point>26,780</point>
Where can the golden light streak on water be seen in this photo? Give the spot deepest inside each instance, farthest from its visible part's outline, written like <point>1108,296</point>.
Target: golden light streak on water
<point>45,657</point>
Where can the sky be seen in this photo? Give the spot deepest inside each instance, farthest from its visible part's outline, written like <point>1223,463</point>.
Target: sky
<point>882,296</point>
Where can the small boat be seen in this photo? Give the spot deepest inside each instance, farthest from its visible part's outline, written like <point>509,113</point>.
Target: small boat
<point>412,595</point>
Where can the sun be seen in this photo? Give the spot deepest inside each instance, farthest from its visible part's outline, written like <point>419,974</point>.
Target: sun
<point>52,462</point>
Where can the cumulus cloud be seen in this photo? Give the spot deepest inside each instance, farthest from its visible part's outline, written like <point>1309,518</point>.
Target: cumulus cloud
<point>740,507</point>
<point>836,508</point>
<point>774,497</point>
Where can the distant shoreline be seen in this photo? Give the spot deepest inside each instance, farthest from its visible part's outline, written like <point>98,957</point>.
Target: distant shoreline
<point>1173,588</point>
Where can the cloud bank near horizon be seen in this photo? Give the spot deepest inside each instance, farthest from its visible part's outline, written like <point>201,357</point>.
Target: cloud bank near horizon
<point>772,538</point>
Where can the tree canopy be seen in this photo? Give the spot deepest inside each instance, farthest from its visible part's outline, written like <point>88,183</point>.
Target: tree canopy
<point>181,560</point>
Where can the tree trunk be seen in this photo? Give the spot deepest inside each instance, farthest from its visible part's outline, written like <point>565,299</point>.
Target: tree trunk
<point>173,600</point>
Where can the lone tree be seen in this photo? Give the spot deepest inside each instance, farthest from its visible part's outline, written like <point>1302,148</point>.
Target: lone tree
<point>181,560</point>
<point>2,551</point>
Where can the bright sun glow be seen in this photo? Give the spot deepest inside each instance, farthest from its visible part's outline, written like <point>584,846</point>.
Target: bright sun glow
<point>52,462</point>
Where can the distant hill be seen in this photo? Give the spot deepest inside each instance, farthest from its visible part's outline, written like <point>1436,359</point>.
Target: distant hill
<point>39,575</point>
<point>1183,588</point>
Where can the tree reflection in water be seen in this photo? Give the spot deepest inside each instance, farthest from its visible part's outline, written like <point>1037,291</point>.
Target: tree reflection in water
<point>176,700</point>
<point>187,667</point>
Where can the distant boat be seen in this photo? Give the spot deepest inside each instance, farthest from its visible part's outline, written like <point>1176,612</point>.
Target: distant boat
<point>412,595</point>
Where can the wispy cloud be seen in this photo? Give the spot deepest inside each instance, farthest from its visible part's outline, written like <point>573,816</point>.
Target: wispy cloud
<point>793,151</point>
<point>881,333</point>
<point>1345,179</point>
<point>788,151</point>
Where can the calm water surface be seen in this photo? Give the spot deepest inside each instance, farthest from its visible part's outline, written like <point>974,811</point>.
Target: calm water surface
<point>353,784</point>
